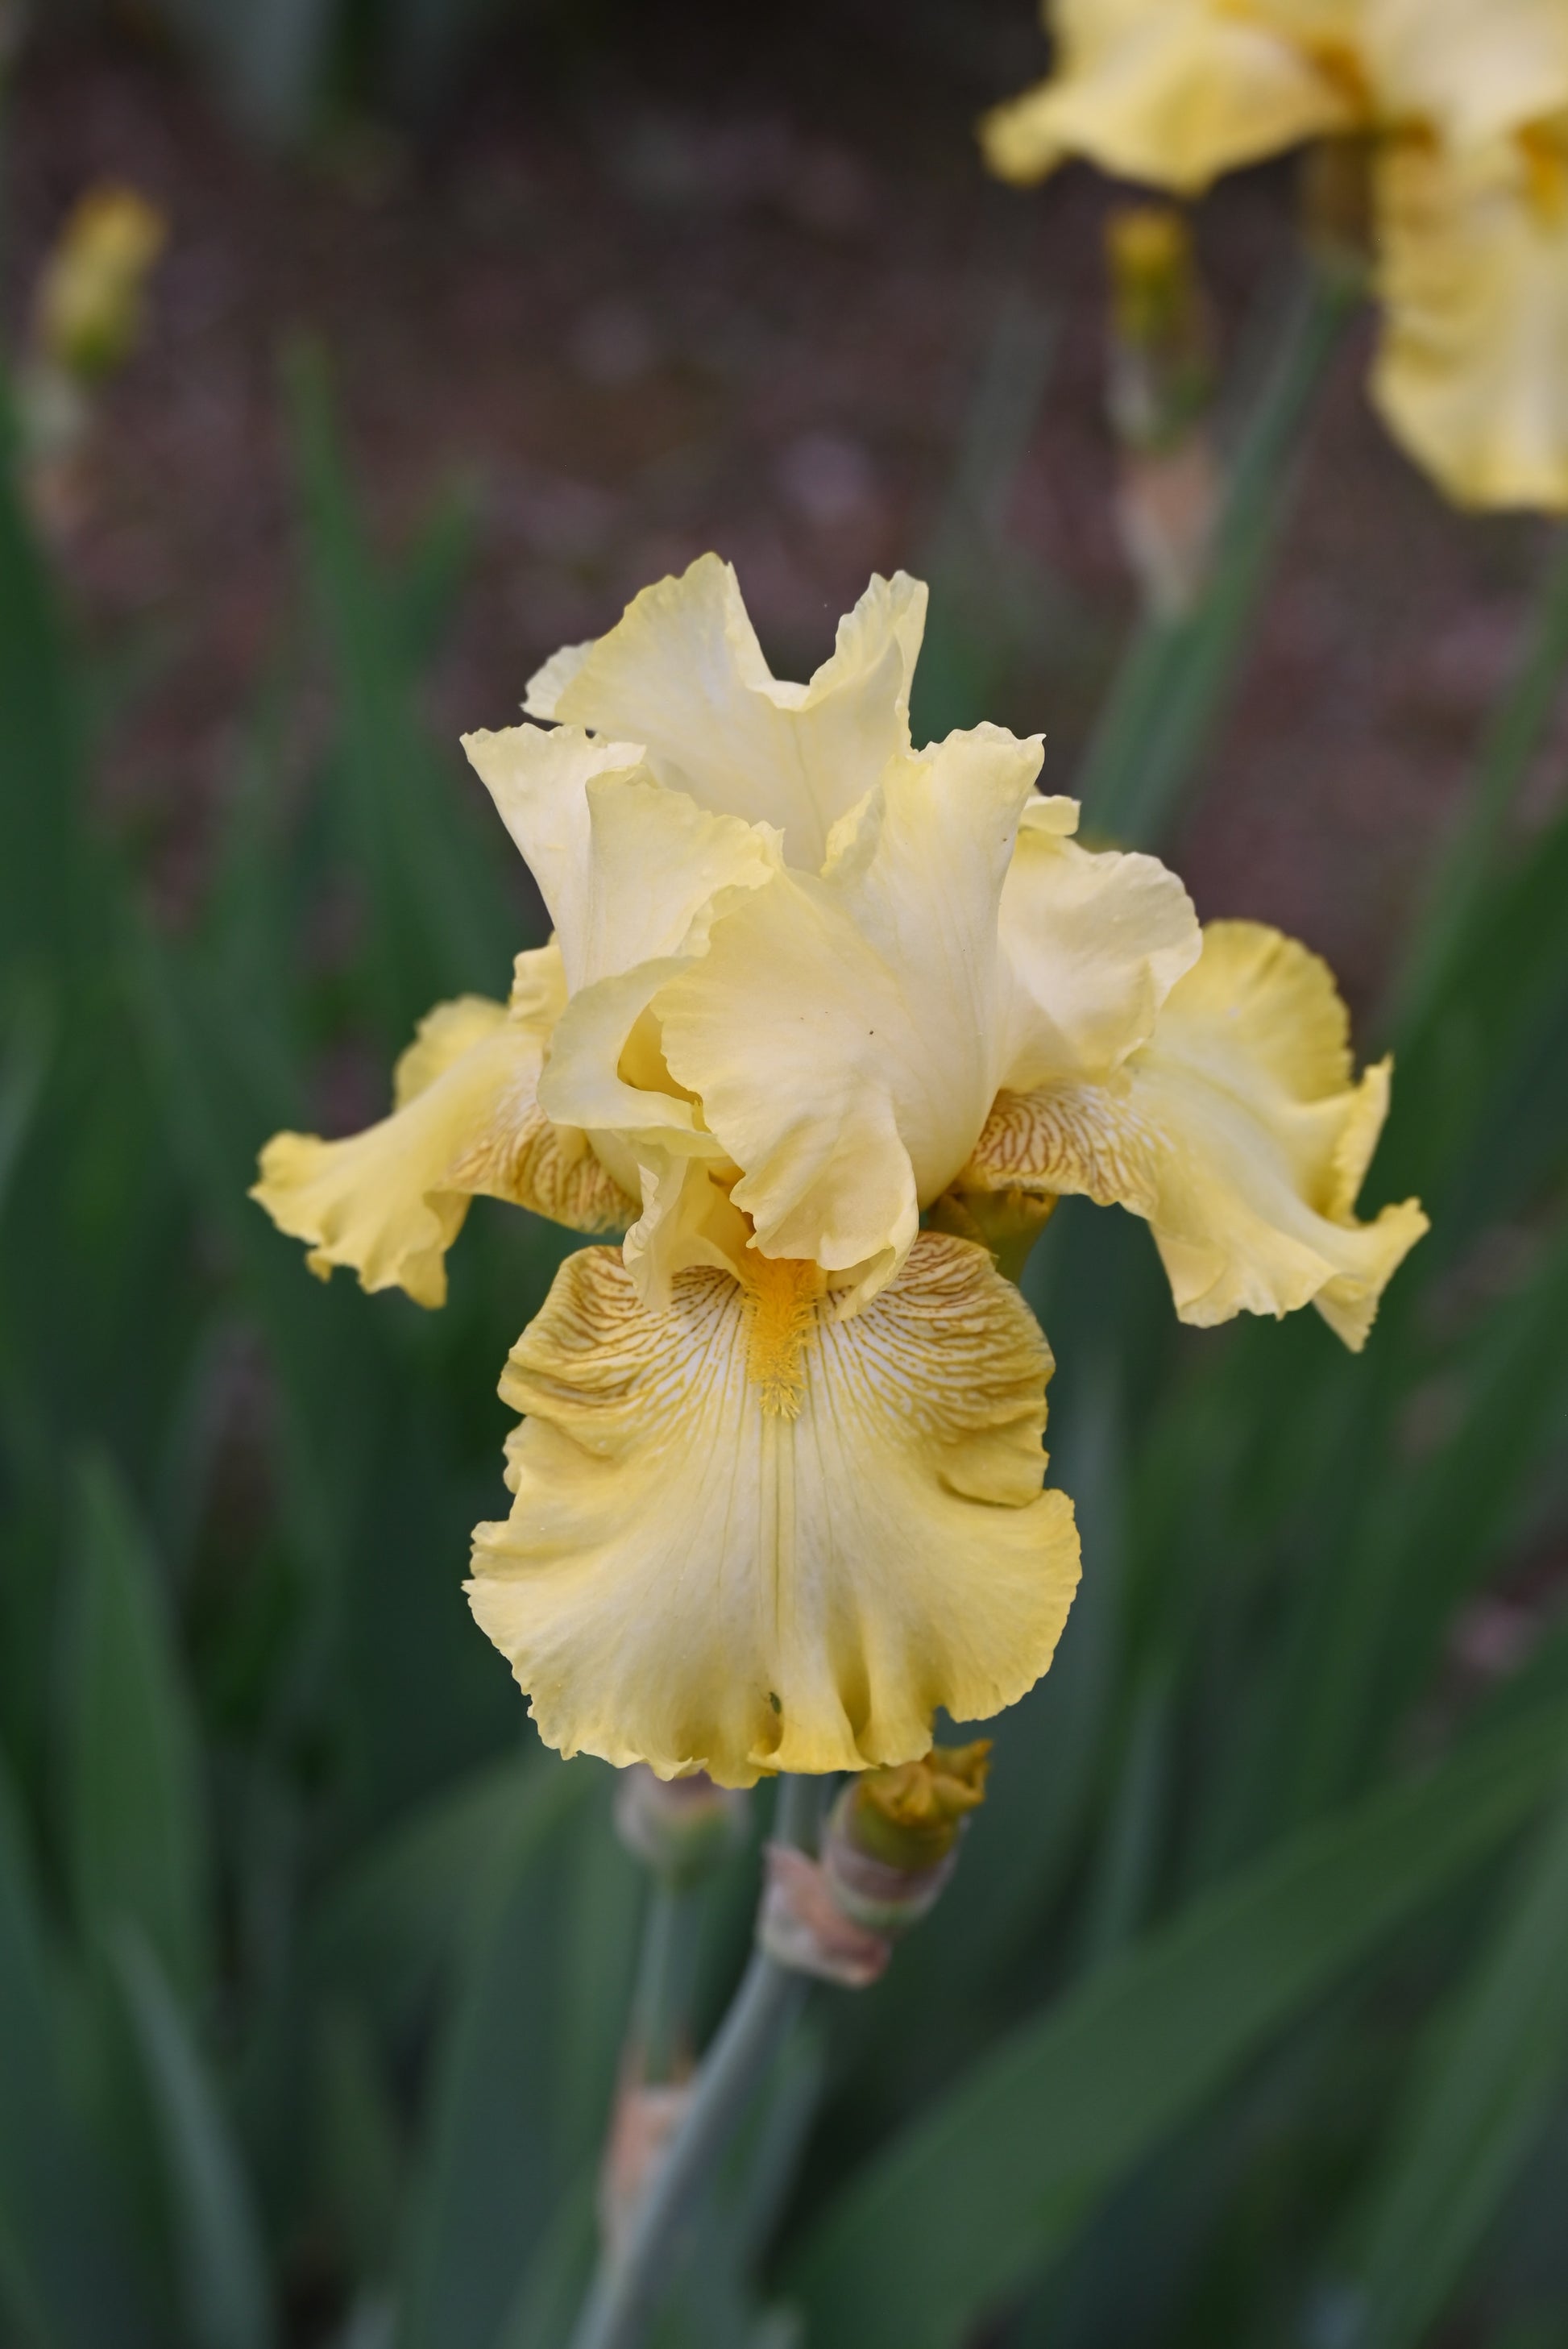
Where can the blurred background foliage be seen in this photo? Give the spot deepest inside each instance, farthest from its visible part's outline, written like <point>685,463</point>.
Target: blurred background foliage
<point>281,71</point>
<point>1247,2018</point>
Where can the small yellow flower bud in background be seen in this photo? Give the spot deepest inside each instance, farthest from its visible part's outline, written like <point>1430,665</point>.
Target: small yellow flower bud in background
<point>1162,371</point>
<point>1161,384</point>
<point>88,313</point>
<point>89,306</point>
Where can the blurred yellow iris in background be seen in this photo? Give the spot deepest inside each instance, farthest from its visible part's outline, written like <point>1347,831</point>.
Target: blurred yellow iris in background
<point>778,1483</point>
<point>1464,104</point>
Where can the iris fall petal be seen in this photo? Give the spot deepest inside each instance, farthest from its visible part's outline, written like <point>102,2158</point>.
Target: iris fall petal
<point>389,1202</point>
<point>1237,1131</point>
<point>750,1537</point>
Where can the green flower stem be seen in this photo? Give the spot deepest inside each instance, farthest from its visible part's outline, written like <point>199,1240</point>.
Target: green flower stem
<point>662,2007</point>
<point>627,2293</point>
<point>1175,674</point>
<point>799,1809</point>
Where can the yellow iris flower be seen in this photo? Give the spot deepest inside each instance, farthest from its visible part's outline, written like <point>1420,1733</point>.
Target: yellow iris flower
<point>778,1483</point>
<point>1465,102</point>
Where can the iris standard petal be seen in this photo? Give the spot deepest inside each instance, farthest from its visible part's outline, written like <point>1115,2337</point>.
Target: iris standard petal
<point>539,781</point>
<point>842,1030</point>
<point>1472,373</point>
<point>1093,943</point>
<point>389,1202</point>
<point>1240,1135</point>
<point>749,1537</point>
<point>661,870</point>
<point>1172,92</point>
<point>683,675</point>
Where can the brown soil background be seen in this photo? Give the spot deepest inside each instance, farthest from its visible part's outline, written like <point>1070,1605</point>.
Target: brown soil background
<point>724,278</point>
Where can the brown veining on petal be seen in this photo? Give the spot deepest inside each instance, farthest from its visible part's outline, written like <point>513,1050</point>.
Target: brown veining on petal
<point>522,1157</point>
<point>1064,1138</point>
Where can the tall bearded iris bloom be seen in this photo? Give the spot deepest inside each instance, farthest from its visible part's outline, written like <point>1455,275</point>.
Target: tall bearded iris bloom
<point>779,1481</point>
<point>1465,105</point>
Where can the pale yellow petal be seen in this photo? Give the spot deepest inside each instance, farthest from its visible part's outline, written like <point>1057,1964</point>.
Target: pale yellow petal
<point>748,1538</point>
<point>1238,1132</point>
<point>877,644</point>
<point>1093,943</point>
<point>683,675</point>
<point>661,870</point>
<point>688,1219</point>
<point>1472,373</point>
<point>658,863</point>
<point>537,999</point>
<point>1172,92</point>
<point>538,985</point>
<point>389,1202</point>
<point>447,1034</point>
<point>539,781</point>
<point>841,1031</point>
<point>1469,69</point>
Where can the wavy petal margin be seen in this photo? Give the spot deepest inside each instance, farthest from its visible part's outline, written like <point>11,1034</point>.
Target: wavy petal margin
<point>1093,941</point>
<point>1238,1132</point>
<point>389,1202</point>
<point>1170,92</point>
<point>682,673</point>
<point>749,1537</point>
<point>842,1030</point>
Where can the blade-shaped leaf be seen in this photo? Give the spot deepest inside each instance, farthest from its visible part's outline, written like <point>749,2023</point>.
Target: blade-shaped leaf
<point>137,1833</point>
<point>42,837</point>
<point>494,2177</point>
<point>223,2259</point>
<point>26,1044</point>
<point>995,2180</point>
<point>437,917</point>
<point>387,1928</point>
<point>1174,680</point>
<point>63,2260</point>
<point>557,2275</point>
<point>1425,1537</point>
<point>1491,2075</point>
<point>1459,888</point>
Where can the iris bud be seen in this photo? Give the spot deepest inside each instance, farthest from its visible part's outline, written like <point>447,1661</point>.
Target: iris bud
<point>1160,390</point>
<point>892,1839</point>
<point>680,1827</point>
<point>1163,374</point>
<point>89,299</point>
